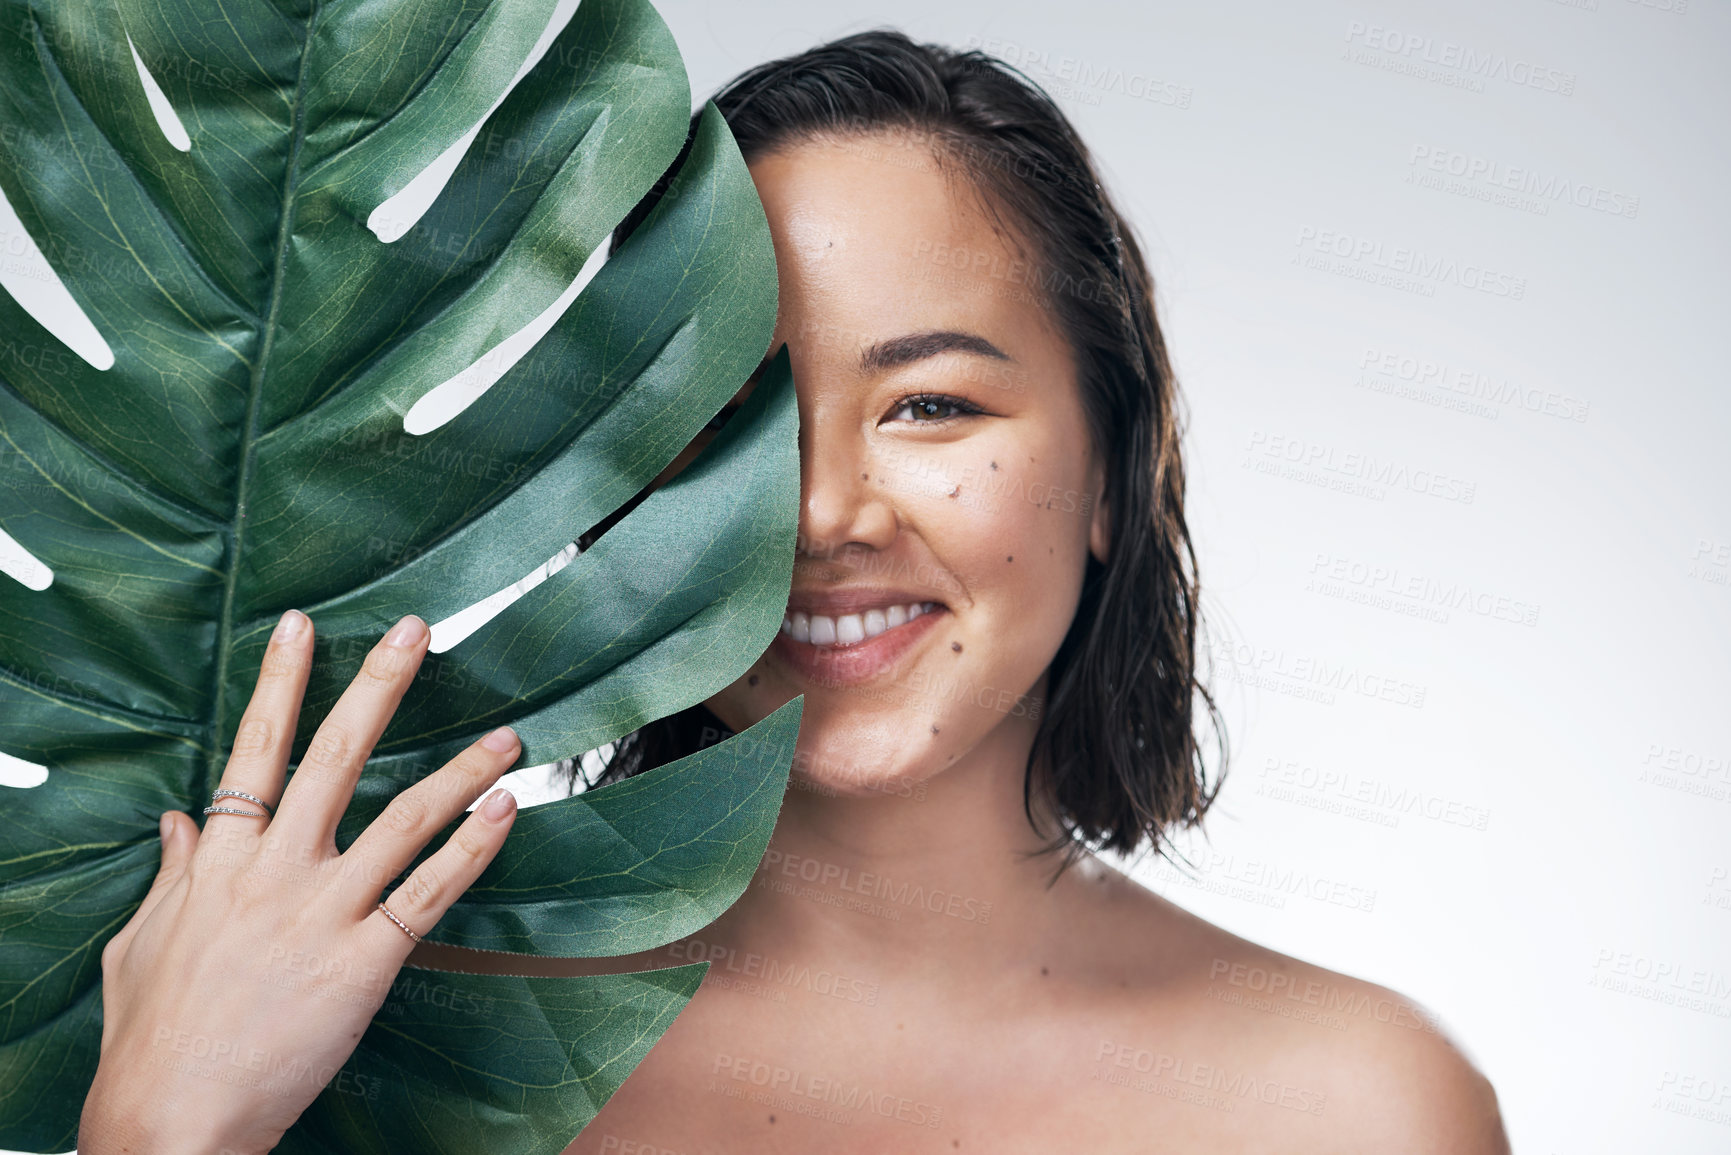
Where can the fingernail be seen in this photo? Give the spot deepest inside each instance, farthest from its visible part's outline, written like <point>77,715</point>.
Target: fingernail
<point>162,827</point>
<point>289,627</point>
<point>498,804</point>
<point>501,740</point>
<point>407,632</point>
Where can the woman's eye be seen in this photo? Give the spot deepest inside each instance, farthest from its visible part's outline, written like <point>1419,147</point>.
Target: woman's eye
<point>932,408</point>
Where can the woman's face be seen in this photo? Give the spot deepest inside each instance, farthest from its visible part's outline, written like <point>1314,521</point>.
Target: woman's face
<point>949,489</point>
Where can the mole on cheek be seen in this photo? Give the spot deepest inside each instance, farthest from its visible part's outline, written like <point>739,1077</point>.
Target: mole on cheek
<point>934,729</point>
<point>956,647</point>
<point>994,465</point>
<point>1012,557</point>
<point>751,681</point>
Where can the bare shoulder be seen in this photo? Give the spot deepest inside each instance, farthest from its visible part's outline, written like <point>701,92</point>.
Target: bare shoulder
<point>1320,1059</point>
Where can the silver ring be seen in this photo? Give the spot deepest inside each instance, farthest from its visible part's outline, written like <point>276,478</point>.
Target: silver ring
<point>242,794</point>
<point>401,925</point>
<point>232,810</point>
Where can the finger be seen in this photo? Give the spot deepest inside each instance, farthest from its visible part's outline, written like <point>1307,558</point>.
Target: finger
<point>179,844</point>
<point>324,781</point>
<point>428,893</point>
<point>387,846</point>
<point>179,835</point>
<point>267,729</point>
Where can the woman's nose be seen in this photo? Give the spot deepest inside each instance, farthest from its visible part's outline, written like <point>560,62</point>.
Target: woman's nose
<point>842,503</point>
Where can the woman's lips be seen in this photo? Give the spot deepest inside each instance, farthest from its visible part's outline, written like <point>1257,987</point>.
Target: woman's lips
<point>851,648</point>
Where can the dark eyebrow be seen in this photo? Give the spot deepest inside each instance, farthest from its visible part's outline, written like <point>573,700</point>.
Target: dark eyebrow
<point>897,351</point>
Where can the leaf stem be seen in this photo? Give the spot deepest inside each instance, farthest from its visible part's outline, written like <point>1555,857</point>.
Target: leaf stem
<point>236,532</point>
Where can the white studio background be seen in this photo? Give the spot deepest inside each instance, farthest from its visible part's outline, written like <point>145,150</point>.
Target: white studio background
<point>1440,281</point>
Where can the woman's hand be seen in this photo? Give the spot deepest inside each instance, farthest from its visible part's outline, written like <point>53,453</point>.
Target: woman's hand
<point>260,954</point>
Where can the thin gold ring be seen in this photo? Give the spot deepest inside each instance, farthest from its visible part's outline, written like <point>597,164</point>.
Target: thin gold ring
<point>401,925</point>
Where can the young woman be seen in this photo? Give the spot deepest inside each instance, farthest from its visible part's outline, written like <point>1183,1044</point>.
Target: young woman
<point>993,622</point>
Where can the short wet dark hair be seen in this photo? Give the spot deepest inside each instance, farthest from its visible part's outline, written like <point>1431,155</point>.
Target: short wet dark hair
<point>1117,754</point>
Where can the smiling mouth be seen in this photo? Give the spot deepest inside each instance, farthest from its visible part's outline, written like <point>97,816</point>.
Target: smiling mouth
<point>867,643</point>
<point>843,630</point>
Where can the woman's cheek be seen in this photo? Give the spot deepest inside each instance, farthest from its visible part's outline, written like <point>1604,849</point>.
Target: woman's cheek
<point>1018,549</point>
<point>1006,549</point>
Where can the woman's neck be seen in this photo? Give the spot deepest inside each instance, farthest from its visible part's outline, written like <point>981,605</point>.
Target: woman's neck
<point>898,877</point>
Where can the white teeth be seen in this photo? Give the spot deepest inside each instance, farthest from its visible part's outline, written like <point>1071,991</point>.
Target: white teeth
<point>850,629</point>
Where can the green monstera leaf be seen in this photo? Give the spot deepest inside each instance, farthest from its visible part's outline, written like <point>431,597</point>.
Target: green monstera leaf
<point>274,383</point>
